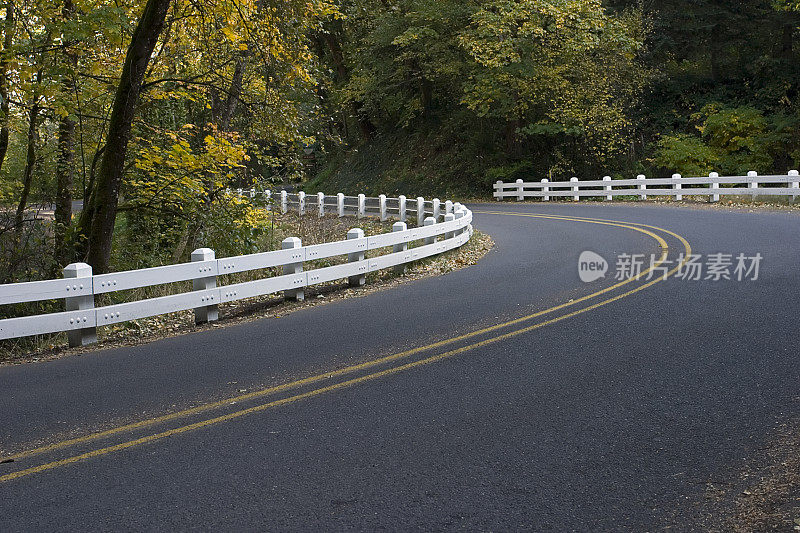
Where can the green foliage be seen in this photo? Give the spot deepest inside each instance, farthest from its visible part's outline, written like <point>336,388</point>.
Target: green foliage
<point>731,140</point>
<point>576,87</point>
<point>509,173</point>
<point>786,5</point>
<point>404,57</point>
<point>558,78</point>
<point>739,135</point>
<point>688,155</point>
<point>229,98</point>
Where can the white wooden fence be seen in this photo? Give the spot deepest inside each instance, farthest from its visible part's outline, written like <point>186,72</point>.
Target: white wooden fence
<point>677,187</point>
<point>360,206</point>
<point>434,219</point>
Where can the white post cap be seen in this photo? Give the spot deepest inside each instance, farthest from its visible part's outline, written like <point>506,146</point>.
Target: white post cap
<point>203,254</point>
<point>77,270</point>
<point>291,242</point>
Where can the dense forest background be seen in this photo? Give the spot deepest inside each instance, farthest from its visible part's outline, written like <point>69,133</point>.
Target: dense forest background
<point>452,96</point>
<point>147,110</point>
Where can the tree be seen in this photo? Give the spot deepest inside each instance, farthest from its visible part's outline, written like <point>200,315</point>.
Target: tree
<point>555,69</point>
<point>100,215</point>
<point>5,57</point>
<point>402,59</point>
<point>65,165</point>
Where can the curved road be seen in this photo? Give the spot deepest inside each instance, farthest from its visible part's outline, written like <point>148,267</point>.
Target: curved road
<point>508,395</point>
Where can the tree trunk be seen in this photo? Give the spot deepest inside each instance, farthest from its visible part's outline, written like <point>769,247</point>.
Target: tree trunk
<point>511,137</point>
<point>30,162</point>
<point>365,125</point>
<point>65,165</point>
<point>97,222</point>
<point>787,42</point>
<point>65,170</point>
<point>234,93</point>
<point>715,54</point>
<point>342,72</point>
<point>426,96</point>
<point>8,40</point>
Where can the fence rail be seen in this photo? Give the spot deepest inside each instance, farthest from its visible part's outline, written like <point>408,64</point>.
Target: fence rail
<point>434,220</point>
<point>677,186</point>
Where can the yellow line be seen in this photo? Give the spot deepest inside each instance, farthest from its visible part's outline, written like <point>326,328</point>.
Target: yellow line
<point>586,219</point>
<point>313,379</point>
<point>347,370</point>
<point>197,425</point>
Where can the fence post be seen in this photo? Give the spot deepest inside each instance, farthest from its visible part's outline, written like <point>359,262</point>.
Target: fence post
<point>359,279</point>
<point>284,202</point>
<point>448,208</point>
<point>458,208</point>
<point>609,197</point>
<point>401,200</point>
<point>321,204</point>
<point>466,228</point>
<point>437,208</point>
<point>753,185</point>
<point>208,313</point>
<point>301,203</point>
<point>82,274</point>
<point>642,186</point>
<point>382,204</point>
<point>449,217</point>
<point>677,187</point>
<point>239,192</point>
<point>574,181</point>
<point>714,187</point>
<point>499,192</point>
<point>794,184</point>
<point>400,247</point>
<point>545,190</point>
<point>459,213</point>
<point>340,204</point>
<point>420,211</point>
<point>291,243</point>
<point>362,206</point>
<point>430,221</point>
<point>520,191</point>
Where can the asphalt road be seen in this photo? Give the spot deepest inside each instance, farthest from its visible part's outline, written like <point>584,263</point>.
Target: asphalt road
<point>608,413</point>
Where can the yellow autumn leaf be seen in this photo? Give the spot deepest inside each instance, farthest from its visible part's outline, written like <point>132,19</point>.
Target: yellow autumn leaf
<point>231,35</point>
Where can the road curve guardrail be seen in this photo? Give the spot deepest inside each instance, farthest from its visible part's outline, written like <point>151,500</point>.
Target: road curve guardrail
<point>677,187</point>
<point>440,226</point>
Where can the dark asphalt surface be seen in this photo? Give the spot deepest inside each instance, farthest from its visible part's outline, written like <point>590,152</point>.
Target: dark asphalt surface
<point>612,419</point>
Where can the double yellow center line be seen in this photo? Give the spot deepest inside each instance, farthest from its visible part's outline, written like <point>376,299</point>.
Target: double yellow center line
<point>127,428</point>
